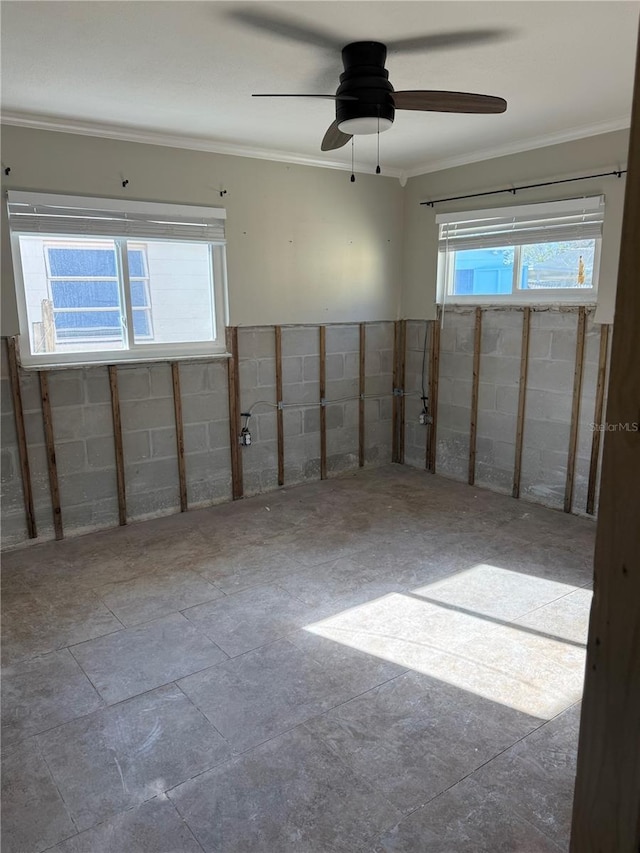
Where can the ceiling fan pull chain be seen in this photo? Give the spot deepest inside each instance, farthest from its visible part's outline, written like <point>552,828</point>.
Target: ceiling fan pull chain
<point>353,177</point>
<point>378,163</point>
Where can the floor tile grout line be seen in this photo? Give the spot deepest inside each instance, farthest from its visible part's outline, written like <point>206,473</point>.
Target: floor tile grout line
<point>67,808</point>
<point>484,763</point>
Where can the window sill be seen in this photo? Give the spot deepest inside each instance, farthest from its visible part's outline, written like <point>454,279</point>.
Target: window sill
<point>122,362</point>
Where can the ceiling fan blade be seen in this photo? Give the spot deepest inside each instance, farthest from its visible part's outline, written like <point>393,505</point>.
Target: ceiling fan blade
<point>334,138</point>
<point>271,22</point>
<point>330,97</point>
<point>447,40</point>
<point>448,102</point>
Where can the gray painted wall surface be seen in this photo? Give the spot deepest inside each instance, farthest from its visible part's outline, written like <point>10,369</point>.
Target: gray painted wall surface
<point>305,245</point>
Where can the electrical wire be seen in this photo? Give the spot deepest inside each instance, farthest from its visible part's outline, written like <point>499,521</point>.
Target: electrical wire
<point>318,403</point>
<point>424,364</point>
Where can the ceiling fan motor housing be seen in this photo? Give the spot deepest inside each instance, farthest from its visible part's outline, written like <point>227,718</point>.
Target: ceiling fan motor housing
<point>366,79</point>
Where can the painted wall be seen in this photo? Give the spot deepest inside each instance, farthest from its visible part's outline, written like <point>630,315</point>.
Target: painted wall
<point>305,245</point>
<point>594,154</point>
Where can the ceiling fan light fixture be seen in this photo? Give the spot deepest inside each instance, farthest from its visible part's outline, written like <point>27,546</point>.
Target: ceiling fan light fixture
<point>364,125</point>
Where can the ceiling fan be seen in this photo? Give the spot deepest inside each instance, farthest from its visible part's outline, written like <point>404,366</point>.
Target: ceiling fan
<point>366,101</point>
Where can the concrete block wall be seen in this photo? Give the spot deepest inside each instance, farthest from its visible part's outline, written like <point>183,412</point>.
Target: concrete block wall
<point>415,437</point>
<point>454,395</point>
<point>83,428</point>
<point>552,349</point>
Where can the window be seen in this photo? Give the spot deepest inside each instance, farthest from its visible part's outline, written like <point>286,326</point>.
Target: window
<point>529,253</point>
<point>103,280</point>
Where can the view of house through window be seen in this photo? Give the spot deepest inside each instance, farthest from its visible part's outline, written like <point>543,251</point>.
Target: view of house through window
<point>79,291</point>
<point>117,280</point>
<point>539,266</point>
<point>544,251</point>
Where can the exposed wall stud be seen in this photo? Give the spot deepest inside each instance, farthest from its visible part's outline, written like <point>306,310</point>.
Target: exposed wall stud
<point>323,408</point>
<point>361,392</point>
<point>52,468</point>
<point>473,425</point>
<point>606,805</point>
<point>434,372</point>
<point>279,412</point>
<point>237,488</point>
<point>117,440</point>
<point>522,399</point>
<point>177,407</point>
<point>402,356</point>
<point>397,445</point>
<point>597,419</point>
<point>575,410</point>
<point>23,454</point>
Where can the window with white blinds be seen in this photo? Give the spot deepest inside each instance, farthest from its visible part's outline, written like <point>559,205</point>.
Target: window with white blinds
<point>34,213</point>
<point>117,280</point>
<point>536,252</point>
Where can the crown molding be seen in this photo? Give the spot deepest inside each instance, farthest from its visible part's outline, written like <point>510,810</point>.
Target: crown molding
<point>621,123</point>
<point>190,143</point>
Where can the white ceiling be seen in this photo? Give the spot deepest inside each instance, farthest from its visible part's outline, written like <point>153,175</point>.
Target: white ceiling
<point>183,72</point>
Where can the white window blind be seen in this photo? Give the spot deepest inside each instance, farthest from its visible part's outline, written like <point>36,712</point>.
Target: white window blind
<point>36,213</point>
<point>572,219</point>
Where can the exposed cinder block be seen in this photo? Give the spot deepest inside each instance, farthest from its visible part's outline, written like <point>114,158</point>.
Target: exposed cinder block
<point>136,445</point>
<point>197,408</point>
<point>161,380</point>
<point>335,366</point>
<point>8,467</point>
<point>71,456</point>
<point>302,392</point>
<point>194,377</point>
<point>341,339</point>
<point>292,422</point>
<point>163,444</point>
<point>499,370</point>
<point>66,388</point>
<point>133,383</point>
<point>248,371</point>
<point>311,420</point>
<point>563,346</point>
<point>257,343</point>
<point>267,426</point>
<point>196,437</point>
<point>101,452</point>
<point>292,369</point>
<point>311,368</point>
<point>303,340</point>
<point>267,372</point>
<point>97,385</point>
<point>549,405</point>
<point>546,434</point>
<point>219,436</point>
<point>551,376</point>
<point>379,336</point>
<point>507,397</point>
<point>144,414</point>
<point>151,475</point>
<point>84,487</point>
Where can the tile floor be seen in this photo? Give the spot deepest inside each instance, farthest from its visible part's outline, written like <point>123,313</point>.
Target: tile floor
<point>385,661</point>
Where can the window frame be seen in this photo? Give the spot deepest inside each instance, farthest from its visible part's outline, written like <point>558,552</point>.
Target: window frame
<point>131,351</point>
<point>518,296</point>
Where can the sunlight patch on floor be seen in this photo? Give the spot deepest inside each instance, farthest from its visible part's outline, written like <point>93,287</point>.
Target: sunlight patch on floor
<point>463,634</point>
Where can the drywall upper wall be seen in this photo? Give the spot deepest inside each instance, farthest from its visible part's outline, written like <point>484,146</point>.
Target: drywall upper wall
<point>570,159</point>
<point>305,245</point>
